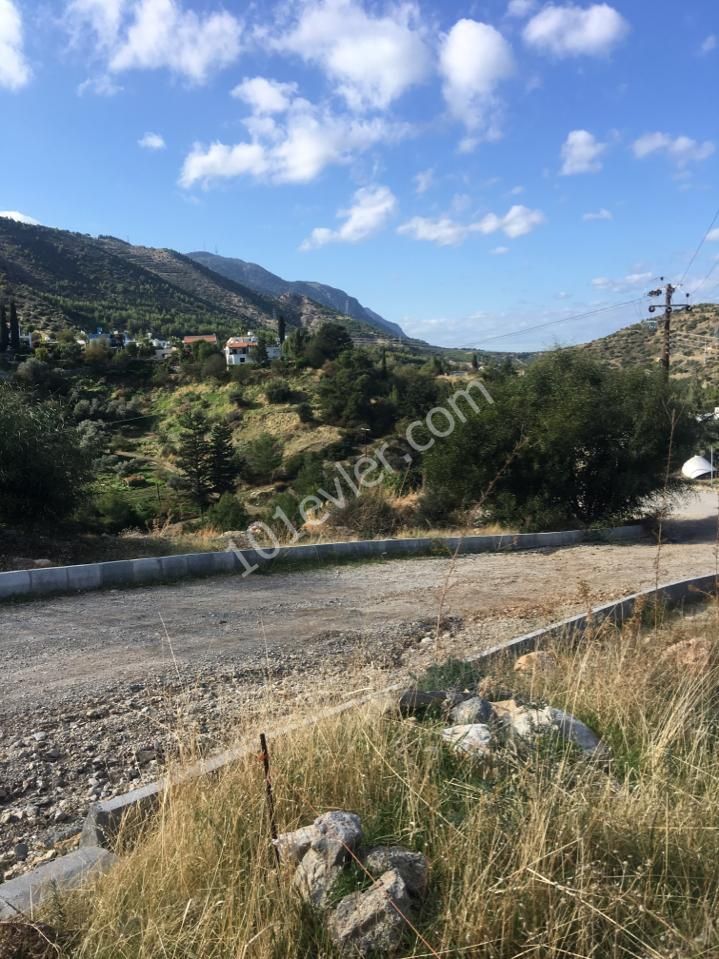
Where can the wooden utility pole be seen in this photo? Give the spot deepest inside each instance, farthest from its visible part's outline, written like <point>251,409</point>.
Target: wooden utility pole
<point>669,310</point>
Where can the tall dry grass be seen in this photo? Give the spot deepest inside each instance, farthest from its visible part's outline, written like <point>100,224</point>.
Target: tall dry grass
<point>537,854</point>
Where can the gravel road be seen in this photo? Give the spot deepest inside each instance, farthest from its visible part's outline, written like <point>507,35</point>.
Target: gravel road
<point>98,690</point>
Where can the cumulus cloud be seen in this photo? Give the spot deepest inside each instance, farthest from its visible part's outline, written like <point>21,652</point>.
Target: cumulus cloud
<point>444,231</point>
<point>371,60</point>
<point>581,153</point>
<point>294,147</point>
<point>265,96</point>
<point>371,209</point>
<point>598,215</point>
<point>156,34</point>
<point>474,59</point>
<point>682,149</point>
<point>19,217</point>
<point>152,141</point>
<point>570,31</point>
<point>14,68</point>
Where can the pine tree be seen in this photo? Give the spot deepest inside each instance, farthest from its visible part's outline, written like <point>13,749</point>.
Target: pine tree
<point>14,328</point>
<point>4,339</point>
<point>259,354</point>
<point>193,455</point>
<point>281,329</point>
<point>222,471</point>
<point>475,361</point>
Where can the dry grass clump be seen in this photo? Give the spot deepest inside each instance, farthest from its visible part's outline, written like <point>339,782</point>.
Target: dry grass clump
<point>536,854</point>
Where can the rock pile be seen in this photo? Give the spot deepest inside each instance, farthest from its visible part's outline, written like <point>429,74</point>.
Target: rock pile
<point>368,922</point>
<point>479,725</point>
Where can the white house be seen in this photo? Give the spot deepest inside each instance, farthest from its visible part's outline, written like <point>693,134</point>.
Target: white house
<point>238,350</point>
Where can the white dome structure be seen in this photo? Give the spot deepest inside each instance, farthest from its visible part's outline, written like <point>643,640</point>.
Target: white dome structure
<point>697,468</point>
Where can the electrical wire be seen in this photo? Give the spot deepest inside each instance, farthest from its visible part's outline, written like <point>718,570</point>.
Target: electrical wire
<point>563,319</point>
<point>699,248</point>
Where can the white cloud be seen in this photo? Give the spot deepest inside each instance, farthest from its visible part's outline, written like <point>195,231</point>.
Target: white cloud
<point>713,235</point>
<point>101,86</point>
<point>152,141</point>
<point>516,191</point>
<point>709,45</point>
<point>265,96</point>
<point>156,34</point>
<point>520,8</point>
<point>19,217</point>
<point>626,284</point>
<point>371,209</point>
<point>602,214</point>
<point>581,153</point>
<point>294,148</point>
<point>423,180</point>
<point>570,31</point>
<point>14,68</point>
<point>682,149</point>
<point>499,251</point>
<point>474,58</point>
<point>444,231</point>
<point>372,60</point>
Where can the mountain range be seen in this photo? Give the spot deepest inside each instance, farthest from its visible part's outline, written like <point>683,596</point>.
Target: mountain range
<point>60,278</point>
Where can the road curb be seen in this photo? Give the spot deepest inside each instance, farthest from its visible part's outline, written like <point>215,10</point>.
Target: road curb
<point>59,580</point>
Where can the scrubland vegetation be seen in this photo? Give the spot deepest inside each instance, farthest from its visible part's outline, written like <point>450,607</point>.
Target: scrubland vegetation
<point>535,852</point>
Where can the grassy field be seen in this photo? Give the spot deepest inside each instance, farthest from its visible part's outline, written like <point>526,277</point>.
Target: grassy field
<point>536,853</point>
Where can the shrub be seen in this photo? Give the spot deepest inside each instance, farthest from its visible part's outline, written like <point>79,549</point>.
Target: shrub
<point>278,392</point>
<point>305,413</point>
<point>228,513</point>
<point>368,515</point>
<point>263,457</point>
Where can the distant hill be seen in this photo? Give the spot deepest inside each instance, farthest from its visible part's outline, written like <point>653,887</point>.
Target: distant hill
<point>60,279</point>
<point>694,344</point>
<point>261,280</point>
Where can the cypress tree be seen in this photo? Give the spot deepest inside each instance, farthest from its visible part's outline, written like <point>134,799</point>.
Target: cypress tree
<point>3,330</point>
<point>281,329</point>
<point>14,328</point>
<point>221,459</point>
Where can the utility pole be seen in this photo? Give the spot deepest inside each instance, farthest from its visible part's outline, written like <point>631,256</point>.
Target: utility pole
<point>669,310</point>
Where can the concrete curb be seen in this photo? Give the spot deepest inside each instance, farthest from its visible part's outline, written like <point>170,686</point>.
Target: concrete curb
<point>57,580</point>
<point>104,819</point>
<point>21,895</point>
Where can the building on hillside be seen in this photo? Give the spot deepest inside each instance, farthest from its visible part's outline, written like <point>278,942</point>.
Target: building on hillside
<point>238,350</point>
<point>210,338</point>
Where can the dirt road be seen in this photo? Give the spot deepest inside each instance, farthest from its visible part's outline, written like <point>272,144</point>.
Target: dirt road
<point>94,687</point>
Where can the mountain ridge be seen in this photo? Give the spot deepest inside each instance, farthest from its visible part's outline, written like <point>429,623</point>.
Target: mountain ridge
<point>264,281</point>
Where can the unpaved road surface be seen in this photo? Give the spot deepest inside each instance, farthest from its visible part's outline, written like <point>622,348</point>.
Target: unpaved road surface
<point>96,690</point>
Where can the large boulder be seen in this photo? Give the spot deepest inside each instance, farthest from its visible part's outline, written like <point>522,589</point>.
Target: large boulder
<point>471,711</point>
<point>474,739</point>
<point>525,722</point>
<point>372,922</point>
<point>412,866</point>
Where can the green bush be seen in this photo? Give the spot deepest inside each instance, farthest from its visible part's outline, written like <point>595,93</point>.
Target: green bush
<point>368,515</point>
<point>228,513</point>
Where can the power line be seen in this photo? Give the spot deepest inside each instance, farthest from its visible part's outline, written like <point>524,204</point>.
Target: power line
<point>563,319</point>
<point>701,244</point>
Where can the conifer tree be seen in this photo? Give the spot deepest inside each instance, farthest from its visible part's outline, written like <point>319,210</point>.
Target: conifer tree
<point>14,328</point>
<point>193,455</point>
<point>4,339</point>
<point>221,454</point>
<point>281,329</point>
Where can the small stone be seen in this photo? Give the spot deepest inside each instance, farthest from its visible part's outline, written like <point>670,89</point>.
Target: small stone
<point>473,738</point>
<point>372,922</point>
<point>293,845</point>
<point>20,851</point>
<point>315,877</point>
<point>474,710</point>
<point>412,866</point>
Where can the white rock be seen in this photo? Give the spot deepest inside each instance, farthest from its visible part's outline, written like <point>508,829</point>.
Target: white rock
<point>371,922</point>
<point>472,738</point>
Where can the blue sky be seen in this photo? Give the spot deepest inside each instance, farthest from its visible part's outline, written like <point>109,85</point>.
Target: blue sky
<point>465,169</point>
